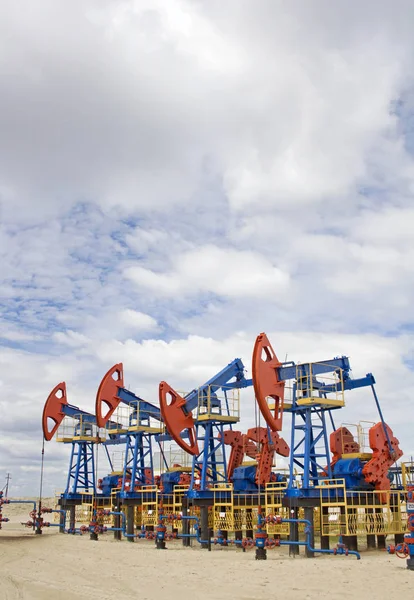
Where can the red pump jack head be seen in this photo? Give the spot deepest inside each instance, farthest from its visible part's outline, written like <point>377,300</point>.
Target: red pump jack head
<point>266,382</point>
<point>176,419</point>
<point>53,410</point>
<point>107,394</point>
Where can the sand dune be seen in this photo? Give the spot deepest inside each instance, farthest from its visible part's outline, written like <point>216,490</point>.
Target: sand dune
<point>53,566</point>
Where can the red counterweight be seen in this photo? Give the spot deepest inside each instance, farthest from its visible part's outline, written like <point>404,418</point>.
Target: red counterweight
<point>255,444</point>
<point>376,469</point>
<point>107,394</point>
<point>341,442</point>
<point>266,383</point>
<point>240,445</point>
<point>267,448</point>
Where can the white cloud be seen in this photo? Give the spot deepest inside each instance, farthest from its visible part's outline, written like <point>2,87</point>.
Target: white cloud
<point>138,320</point>
<point>391,225</point>
<point>71,338</point>
<point>156,282</point>
<point>225,272</point>
<point>291,114</point>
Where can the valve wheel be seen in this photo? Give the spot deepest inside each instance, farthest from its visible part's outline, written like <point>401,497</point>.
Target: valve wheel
<point>402,551</point>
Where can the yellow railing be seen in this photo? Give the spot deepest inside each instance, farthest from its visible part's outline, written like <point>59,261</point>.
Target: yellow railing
<point>132,417</point>
<point>233,512</point>
<point>178,494</point>
<point>228,409</point>
<point>149,504</point>
<point>307,394</point>
<point>223,507</point>
<point>274,495</point>
<point>407,473</point>
<point>360,432</point>
<point>78,428</point>
<point>361,513</point>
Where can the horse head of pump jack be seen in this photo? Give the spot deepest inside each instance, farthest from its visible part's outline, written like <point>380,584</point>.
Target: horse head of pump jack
<point>53,410</point>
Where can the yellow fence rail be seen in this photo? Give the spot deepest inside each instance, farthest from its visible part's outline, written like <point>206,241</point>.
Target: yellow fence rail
<point>131,417</point>
<point>78,428</point>
<point>226,410</point>
<point>361,513</point>
<point>306,382</point>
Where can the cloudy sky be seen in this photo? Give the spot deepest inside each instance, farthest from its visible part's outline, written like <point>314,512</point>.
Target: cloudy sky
<point>176,177</point>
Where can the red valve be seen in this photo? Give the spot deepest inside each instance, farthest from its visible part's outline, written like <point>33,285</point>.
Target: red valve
<point>402,550</point>
<point>28,524</point>
<point>375,471</point>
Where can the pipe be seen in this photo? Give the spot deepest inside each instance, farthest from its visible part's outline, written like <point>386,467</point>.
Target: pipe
<point>185,518</point>
<point>308,540</point>
<point>123,528</point>
<point>75,531</point>
<point>20,502</point>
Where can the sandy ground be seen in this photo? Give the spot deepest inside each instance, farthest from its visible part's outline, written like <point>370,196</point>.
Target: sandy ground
<point>53,566</point>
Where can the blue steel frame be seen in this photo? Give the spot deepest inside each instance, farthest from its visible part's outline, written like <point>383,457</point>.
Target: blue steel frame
<point>138,452</point>
<point>138,444</point>
<point>81,476</point>
<point>309,431</point>
<point>206,465</point>
<point>82,473</point>
<point>305,453</point>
